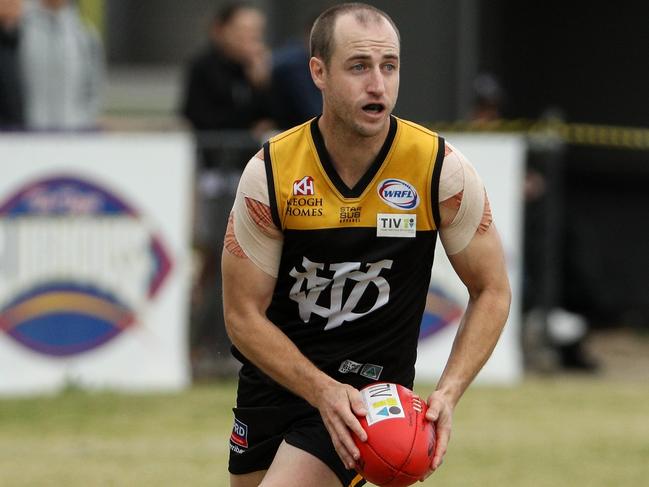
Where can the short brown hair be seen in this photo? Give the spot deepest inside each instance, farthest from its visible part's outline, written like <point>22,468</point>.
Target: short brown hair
<point>322,32</point>
<point>227,12</point>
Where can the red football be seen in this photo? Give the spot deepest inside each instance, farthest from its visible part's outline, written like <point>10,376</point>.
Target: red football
<point>400,441</point>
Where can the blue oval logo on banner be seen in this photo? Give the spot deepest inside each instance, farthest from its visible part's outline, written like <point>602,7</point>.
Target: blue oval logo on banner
<point>76,263</point>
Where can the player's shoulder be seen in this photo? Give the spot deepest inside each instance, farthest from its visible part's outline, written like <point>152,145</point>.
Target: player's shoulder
<point>297,131</point>
<point>416,129</point>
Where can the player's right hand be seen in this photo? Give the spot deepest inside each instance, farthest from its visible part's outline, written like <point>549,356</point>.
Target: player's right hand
<point>339,404</point>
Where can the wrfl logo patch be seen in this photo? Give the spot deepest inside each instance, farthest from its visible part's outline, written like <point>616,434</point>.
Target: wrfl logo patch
<point>398,194</point>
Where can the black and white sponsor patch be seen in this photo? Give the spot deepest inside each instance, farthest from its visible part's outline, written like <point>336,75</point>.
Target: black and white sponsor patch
<point>349,366</point>
<point>371,371</point>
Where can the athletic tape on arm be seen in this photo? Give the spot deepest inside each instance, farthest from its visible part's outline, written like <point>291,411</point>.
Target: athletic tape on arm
<point>460,187</point>
<point>253,228</point>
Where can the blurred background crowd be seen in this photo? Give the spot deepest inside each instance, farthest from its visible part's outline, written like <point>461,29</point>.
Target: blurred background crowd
<point>233,73</point>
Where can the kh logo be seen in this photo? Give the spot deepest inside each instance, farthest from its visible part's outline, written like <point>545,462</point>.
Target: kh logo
<point>398,194</point>
<point>304,187</point>
<point>310,284</point>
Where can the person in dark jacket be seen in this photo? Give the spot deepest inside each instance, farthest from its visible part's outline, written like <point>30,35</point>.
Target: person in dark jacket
<point>11,98</point>
<point>227,85</point>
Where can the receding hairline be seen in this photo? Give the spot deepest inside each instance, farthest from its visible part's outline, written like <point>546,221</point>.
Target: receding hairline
<point>322,39</point>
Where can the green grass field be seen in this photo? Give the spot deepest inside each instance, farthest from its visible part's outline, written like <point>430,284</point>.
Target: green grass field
<point>546,432</point>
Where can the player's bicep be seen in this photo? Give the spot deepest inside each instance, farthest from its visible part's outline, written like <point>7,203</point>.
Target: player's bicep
<point>247,290</point>
<point>481,264</point>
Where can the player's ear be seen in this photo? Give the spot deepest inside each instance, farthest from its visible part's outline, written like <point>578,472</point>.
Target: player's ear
<point>318,70</point>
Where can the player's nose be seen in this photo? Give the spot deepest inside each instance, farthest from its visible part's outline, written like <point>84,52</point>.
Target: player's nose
<point>375,81</point>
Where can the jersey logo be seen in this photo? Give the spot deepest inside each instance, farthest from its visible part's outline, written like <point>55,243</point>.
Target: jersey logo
<point>398,194</point>
<point>312,282</point>
<point>304,187</point>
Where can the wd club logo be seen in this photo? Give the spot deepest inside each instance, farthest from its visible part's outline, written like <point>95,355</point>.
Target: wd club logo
<point>304,187</point>
<point>336,307</point>
<point>76,263</point>
<point>398,194</point>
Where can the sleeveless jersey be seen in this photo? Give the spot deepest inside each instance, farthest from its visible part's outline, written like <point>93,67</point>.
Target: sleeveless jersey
<point>355,264</point>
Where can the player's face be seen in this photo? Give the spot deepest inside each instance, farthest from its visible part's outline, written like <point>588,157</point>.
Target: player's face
<point>361,83</point>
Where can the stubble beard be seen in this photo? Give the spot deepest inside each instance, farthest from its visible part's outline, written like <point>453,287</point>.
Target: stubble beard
<point>348,123</point>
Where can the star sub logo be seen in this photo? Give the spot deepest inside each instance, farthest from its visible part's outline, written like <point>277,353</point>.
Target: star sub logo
<point>304,187</point>
<point>350,214</point>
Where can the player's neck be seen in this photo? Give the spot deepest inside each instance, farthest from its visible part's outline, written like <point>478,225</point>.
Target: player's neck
<point>351,154</point>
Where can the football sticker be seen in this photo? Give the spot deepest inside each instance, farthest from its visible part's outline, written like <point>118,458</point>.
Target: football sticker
<point>382,402</point>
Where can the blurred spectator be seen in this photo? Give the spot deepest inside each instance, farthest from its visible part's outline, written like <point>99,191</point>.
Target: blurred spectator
<point>11,105</point>
<point>553,337</point>
<point>228,82</point>
<point>62,65</point>
<point>227,88</point>
<point>296,98</point>
<point>488,99</point>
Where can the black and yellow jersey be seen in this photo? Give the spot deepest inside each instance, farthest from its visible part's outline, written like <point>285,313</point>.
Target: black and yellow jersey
<point>356,262</point>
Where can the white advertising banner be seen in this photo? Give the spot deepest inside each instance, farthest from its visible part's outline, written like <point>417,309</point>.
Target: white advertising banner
<point>94,261</point>
<point>500,161</point>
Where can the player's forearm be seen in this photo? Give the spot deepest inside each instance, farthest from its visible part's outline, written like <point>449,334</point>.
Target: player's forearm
<point>476,338</point>
<point>266,346</point>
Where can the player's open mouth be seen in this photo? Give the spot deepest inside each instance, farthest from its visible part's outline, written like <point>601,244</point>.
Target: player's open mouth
<point>375,108</point>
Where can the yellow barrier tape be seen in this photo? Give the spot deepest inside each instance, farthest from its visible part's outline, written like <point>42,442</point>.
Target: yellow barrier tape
<point>632,138</point>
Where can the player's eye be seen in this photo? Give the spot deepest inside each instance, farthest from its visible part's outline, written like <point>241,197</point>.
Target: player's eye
<point>389,67</point>
<point>357,67</point>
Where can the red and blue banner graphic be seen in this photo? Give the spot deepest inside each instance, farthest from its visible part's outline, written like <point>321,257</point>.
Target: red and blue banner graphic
<point>77,263</point>
<point>440,311</point>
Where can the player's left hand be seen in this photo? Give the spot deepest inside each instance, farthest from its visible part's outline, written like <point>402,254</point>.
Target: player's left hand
<point>440,412</point>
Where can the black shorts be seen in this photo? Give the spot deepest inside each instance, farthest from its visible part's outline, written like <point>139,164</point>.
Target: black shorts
<point>259,430</point>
